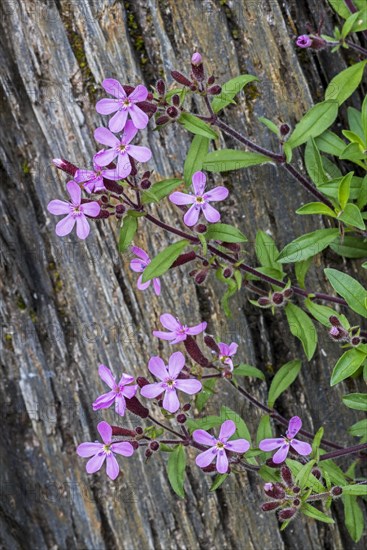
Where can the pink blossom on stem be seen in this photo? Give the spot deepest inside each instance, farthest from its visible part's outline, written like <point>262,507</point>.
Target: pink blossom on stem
<point>199,200</point>
<point>219,447</point>
<point>226,352</point>
<point>304,41</point>
<point>169,381</point>
<point>121,149</point>
<point>177,332</point>
<point>138,265</point>
<point>123,106</point>
<point>284,443</point>
<point>104,451</point>
<point>92,180</point>
<point>125,388</point>
<point>76,212</point>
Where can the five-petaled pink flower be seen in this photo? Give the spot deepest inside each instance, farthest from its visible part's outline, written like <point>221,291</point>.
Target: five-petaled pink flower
<point>138,265</point>
<point>177,332</point>
<point>123,105</point>
<point>169,381</point>
<point>92,180</point>
<point>120,148</point>
<point>104,451</point>
<point>118,391</point>
<point>219,447</point>
<point>284,443</point>
<point>75,211</point>
<point>304,41</point>
<point>200,200</point>
<point>226,352</point>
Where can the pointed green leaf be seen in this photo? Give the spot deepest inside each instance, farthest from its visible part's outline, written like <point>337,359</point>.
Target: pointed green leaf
<point>314,123</point>
<point>350,247</point>
<point>354,519</point>
<point>350,289</point>
<point>195,157</point>
<point>347,365</point>
<point>316,208</point>
<point>197,126</point>
<point>127,232</point>
<point>302,327</point>
<point>248,370</point>
<point>345,83</point>
<point>232,159</point>
<point>225,233</point>
<point>160,190</point>
<point>314,513</point>
<point>230,89</point>
<point>285,376</point>
<point>351,215</point>
<point>218,480</point>
<point>307,245</point>
<point>357,401</point>
<point>163,261</point>
<point>176,470</point>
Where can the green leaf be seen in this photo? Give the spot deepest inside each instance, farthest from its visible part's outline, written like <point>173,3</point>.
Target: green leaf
<point>307,245</point>
<point>313,482</point>
<point>330,469</point>
<point>314,513</point>
<point>264,430</point>
<point>317,442</point>
<point>242,430</point>
<point>355,122</point>
<point>340,8</point>
<point>354,519</point>
<point>354,153</point>
<point>301,270</point>
<point>360,23</point>
<point>225,233</point>
<point>204,423</point>
<point>359,429</point>
<point>218,480</point>
<point>345,83</point>
<point>321,313</point>
<point>269,474</point>
<point>205,394</point>
<point>351,215</point>
<point>160,190</point>
<point>197,126</point>
<point>350,289</point>
<point>285,376</point>
<point>350,247</point>
<point>330,143</point>
<point>247,370</point>
<point>232,159</point>
<point>270,125</point>
<point>362,197</point>
<point>314,123</point>
<point>127,232</point>
<point>163,261</point>
<point>355,490</point>
<point>314,165</point>
<point>364,118</point>
<point>347,365</point>
<point>316,208</point>
<point>267,252</point>
<point>195,157</point>
<point>230,89</point>
<point>176,470</point>
<point>357,401</point>
<point>302,478</point>
<point>344,189</point>
<point>302,327</point>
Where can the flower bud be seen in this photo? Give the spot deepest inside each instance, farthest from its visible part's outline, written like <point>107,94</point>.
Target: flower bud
<point>181,418</point>
<point>195,352</point>
<point>264,302</point>
<point>141,381</point>
<point>180,78</point>
<point>304,41</point>
<point>120,208</point>
<point>269,506</point>
<point>65,166</point>
<point>214,90</point>
<point>176,100</point>
<point>193,87</point>
<point>334,321</point>
<point>139,430</point>
<point>148,108</point>
<point>172,112</point>
<point>269,462</point>
<point>161,87</point>
<point>116,430</point>
<point>134,406</point>
<point>200,228</point>
<point>134,444</point>
<point>287,513</point>
<point>211,80</point>
<point>112,186</point>
<point>197,67</point>
<point>103,214</point>
<point>355,341</point>
<point>296,489</point>
<point>149,97</point>
<point>209,469</point>
<point>186,407</point>
<point>286,475</point>
<point>316,472</point>
<point>184,259</point>
<point>154,445</point>
<point>288,293</point>
<point>196,59</point>
<point>201,276</point>
<point>277,298</point>
<point>227,273</point>
<point>284,130</point>
<point>318,43</point>
<point>163,119</point>
<point>148,453</point>
<point>275,491</point>
<point>336,491</point>
<point>145,184</point>
<point>211,343</point>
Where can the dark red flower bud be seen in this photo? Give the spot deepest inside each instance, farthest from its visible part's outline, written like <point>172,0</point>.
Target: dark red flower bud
<point>180,78</point>
<point>181,418</point>
<point>145,184</point>
<point>197,66</point>
<point>161,87</point>
<point>201,276</point>
<point>195,352</point>
<point>287,513</point>
<point>128,89</point>
<point>134,444</point>
<point>150,96</point>
<point>355,341</point>
<point>284,130</point>
<point>227,273</point>
<point>139,430</point>
<point>318,43</point>
<point>65,166</point>
<point>172,112</point>
<point>288,293</point>
<point>277,298</point>
<point>112,186</point>
<point>336,491</point>
<point>184,259</point>
<point>196,59</point>
<point>104,199</point>
<point>211,343</point>
<point>215,90</point>
<point>264,302</point>
<point>269,506</point>
<point>116,430</point>
<point>141,381</point>
<point>148,108</point>
<point>334,321</point>
<point>269,462</point>
<point>176,100</point>
<point>286,475</point>
<point>163,119</point>
<point>234,247</point>
<point>154,445</point>
<point>134,406</point>
<point>211,80</point>
<point>186,407</point>
<point>103,214</point>
<point>316,472</point>
<point>120,208</point>
<point>200,228</point>
<point>160,403</point>
<point>296,489</point>
<point>193,88</point>
<point>297,502</point>
<point>275,491</point>
<point>148,453</point>
<point>146,175</point>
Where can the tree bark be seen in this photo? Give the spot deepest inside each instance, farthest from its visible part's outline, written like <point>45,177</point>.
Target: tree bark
<point>69,305</point>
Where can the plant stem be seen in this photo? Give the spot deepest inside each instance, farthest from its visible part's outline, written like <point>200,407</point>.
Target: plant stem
<point>165,427</point>
<point>344,452</point>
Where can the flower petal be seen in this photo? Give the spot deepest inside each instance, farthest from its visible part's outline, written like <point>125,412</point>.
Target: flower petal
<point>198,182</point>
<point>123,168</point>
<point>139,118</point>
<point>129,391</point>
<point>82,227</point>
<point>105,432</point>
<point>227,430</point>
<point>170,322</point>
<point>211,214</point>
<point>197,329</point>
<point>95,463</point>
<point>222,462</point>
<point>123,448</point>
<point>106,375</point>
<point>176,363</point>
<point>129,132</point>
<point>75,192</point>
<point>137,265</point>
<point>58,207</point>
<point>118,121</point>
<point>112,467</point>
<point>106,137</point>
<point>140,285</point>
<point>104,401</point>
<point>216,194</point>
<point>170,401</point>
<point>164,335</point>
<point>233,349</point>
<point>89,449</point>
<point>106,156</point>
<point>281,454</point>
<point>192,215</point>
<point>91,209</point>
<point>181,198</point>
<point>126,379</point>
<point>204,459</point>
<point>140,253</point>
<point>271,444</point>
<point>120,405</point>
<point>139,94</point>
<point>157,367</point>
<point>81,176</point>
<point>238,445</point>
<point>151,391</point>
<point>203,437</point>
<point>189,386</point>
<point>106,106</point>
<point>142,154</point>
<point>179,338</point>
<point>301,447</point>
<point>65,226</point>
<point>157,286</point>
<point>294,426</point>
<point>113,87</point>
<point>223,348</point>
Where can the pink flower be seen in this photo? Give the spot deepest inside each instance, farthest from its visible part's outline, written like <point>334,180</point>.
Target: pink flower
<point>120,148</point>
<point>102,451</point>
<point>218,447</point>
<point>284,443</point>
<point>123,105</point>
<point>226,352</point>
<point>92,180</point>
<point>177,332</point>
<point>138,265</point>
<point>75,212</point>
<point>304,41</point>
<point>169,381</point>
<point>118,391</point>
<point>200,200</point>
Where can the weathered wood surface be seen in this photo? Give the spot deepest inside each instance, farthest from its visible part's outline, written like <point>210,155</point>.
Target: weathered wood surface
<point>67,305</point>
